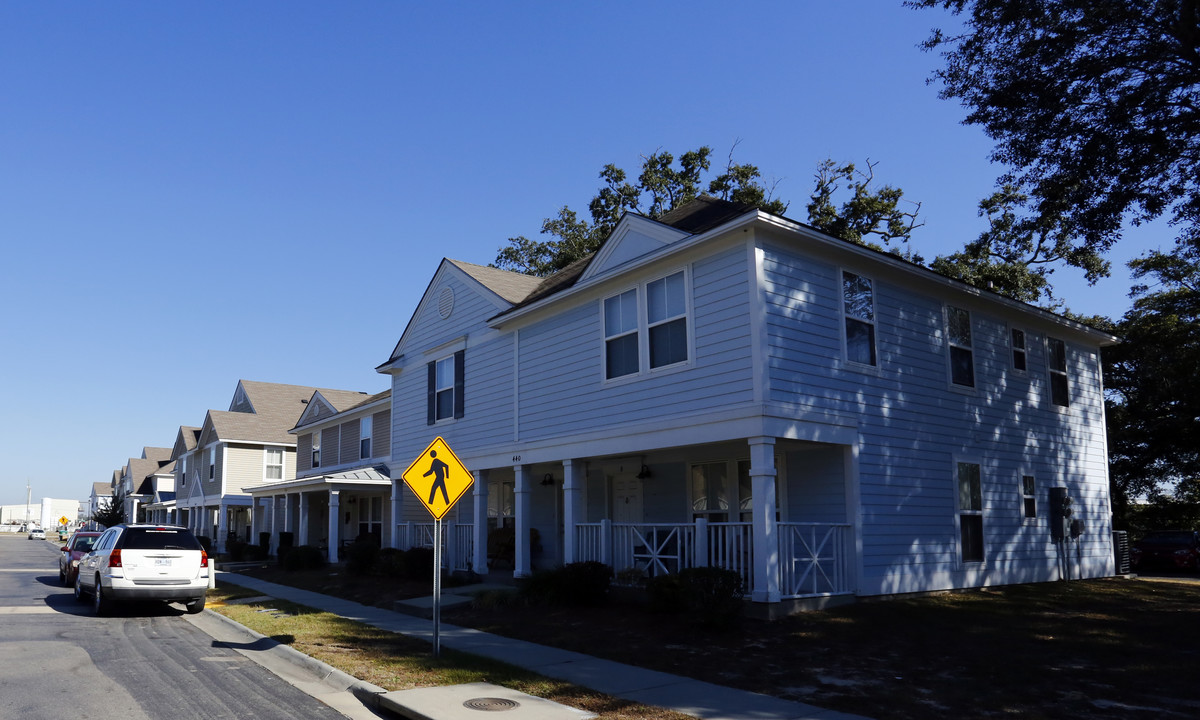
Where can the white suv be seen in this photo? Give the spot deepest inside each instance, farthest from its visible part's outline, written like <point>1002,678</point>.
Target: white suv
<point>144,562</point>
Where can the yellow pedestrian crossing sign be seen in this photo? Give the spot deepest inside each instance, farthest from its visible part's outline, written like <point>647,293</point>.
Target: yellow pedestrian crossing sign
<point>438,478</point>
<point>63,520</point>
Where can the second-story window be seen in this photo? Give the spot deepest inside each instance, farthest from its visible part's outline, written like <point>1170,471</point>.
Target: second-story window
<point>364,438</point>
<point>1017,341</point>
<point>666,320</point>
<point>962,357</point>
<point>316,448</point>
<point>621,335</point>
<point>445,388</point>
<point>212,463</point>
<point>858,303</point>
<point>1057,363</point>
<point>182,470</point>
<point>274,464</point>
<point>634,342</point>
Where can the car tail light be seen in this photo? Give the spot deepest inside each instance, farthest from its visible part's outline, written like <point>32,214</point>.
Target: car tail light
<point>203,559</point>
<point>114,558</point>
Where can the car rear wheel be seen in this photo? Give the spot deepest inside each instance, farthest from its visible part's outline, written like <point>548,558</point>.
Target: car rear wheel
<point>99,603</point>
<point>195,606</point>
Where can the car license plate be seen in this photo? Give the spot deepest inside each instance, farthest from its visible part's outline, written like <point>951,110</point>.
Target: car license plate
<point>162,562</point>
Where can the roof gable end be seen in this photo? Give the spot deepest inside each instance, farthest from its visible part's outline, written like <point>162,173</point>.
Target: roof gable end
<point>633,237</point>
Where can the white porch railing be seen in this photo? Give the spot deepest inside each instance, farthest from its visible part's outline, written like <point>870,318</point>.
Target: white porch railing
<point>458,541</point>
<point>815,558</point>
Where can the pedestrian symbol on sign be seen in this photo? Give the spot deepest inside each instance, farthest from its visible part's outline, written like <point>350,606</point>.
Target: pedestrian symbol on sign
<point>438,478</point>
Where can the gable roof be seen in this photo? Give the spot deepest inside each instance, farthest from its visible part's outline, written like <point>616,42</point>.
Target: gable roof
<point>513,287</point>
<point>275,408</point>
<point>102,489</point>
<point>501,288</point>
<point>312,415</point>
<point>325,404</point>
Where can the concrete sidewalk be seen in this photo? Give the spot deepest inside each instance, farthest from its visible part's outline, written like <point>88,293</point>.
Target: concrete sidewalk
<point>691,697</point>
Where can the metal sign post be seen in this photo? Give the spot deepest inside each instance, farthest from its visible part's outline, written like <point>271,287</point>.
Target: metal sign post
<point>437,588</point>
<point>438,482</point>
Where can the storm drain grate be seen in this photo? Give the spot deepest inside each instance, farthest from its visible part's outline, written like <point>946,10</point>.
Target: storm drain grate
<point>491,704</point>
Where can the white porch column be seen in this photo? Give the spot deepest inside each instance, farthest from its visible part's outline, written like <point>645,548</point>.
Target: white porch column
<point>479,529</point>
<point>522,494</point>
<point>273,541</point>
<point>302,533</point>
<point>254,523</point>
<point>287,515</point>
<point>764,529</point>
<point>335,521</point>
<point>221,527</point>
<point>572,507</point>
<point>397,507</point>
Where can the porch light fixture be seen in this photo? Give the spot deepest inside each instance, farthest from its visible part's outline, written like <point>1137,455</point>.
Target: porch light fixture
<point>644,473</point>
<point>548,479</point>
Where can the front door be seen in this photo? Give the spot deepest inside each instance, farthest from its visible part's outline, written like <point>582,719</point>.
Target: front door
<point>627,498</point>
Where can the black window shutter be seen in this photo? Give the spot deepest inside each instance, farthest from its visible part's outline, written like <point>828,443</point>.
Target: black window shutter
<point>431,395</point>
<point>459,363</point>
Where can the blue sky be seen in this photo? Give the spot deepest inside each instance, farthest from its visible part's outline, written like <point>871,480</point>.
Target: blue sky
<point>194,193</point>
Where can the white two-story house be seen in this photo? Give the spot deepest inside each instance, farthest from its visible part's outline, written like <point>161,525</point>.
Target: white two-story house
<point>729,387</point>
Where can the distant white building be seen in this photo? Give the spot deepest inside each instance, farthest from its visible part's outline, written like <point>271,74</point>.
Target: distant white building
<point>45,513</point>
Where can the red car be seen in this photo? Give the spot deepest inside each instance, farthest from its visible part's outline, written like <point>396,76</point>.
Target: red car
<point>1168,549</point>
<point>79,545</point>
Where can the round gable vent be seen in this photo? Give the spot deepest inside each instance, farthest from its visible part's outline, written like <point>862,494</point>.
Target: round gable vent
<point>446,303</point>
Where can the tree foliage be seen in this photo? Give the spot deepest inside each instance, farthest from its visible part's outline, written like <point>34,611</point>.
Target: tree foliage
<point>1093,104</point>
<point>662,186</point>
<point>112,509</point>
<point>868,211</point>
<point>844,203</point>
<point>1153,407</point>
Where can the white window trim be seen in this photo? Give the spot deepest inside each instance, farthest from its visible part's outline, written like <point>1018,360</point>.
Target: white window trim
<point>369,424</point>
<point>1013,350</point>
<point>643,330</point>
<point>841,297</point>
<point>439,389</point>
<point>969,389</point>
<point>1051,372</point>
<point>314,451</point>
<point>1021,475</point>
<point>731,472</point>
<point>267,464</point>
<point>959,511</point>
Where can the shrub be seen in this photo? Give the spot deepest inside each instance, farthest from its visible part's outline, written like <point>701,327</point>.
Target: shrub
<point>713,596</point>
<point>418,563</point>
<point>236,550</point>
<point>303,557</point>
<point>493,599</point>
<point>573,585</point>
<point>361,556</point>
<point>665,594</point>
<point>391,563</point>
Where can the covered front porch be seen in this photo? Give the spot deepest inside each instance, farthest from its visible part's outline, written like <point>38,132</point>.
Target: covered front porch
<point>326,511</point>
<point>779,512</point>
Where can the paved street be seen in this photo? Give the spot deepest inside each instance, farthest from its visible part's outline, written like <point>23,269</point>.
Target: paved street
<point>145,661</point>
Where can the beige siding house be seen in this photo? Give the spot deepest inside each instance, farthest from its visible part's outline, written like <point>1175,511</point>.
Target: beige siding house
<point>342,489</point>
<point>238,449</point>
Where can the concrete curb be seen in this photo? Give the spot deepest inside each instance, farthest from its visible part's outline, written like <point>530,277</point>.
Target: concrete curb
<point>367,693</point>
